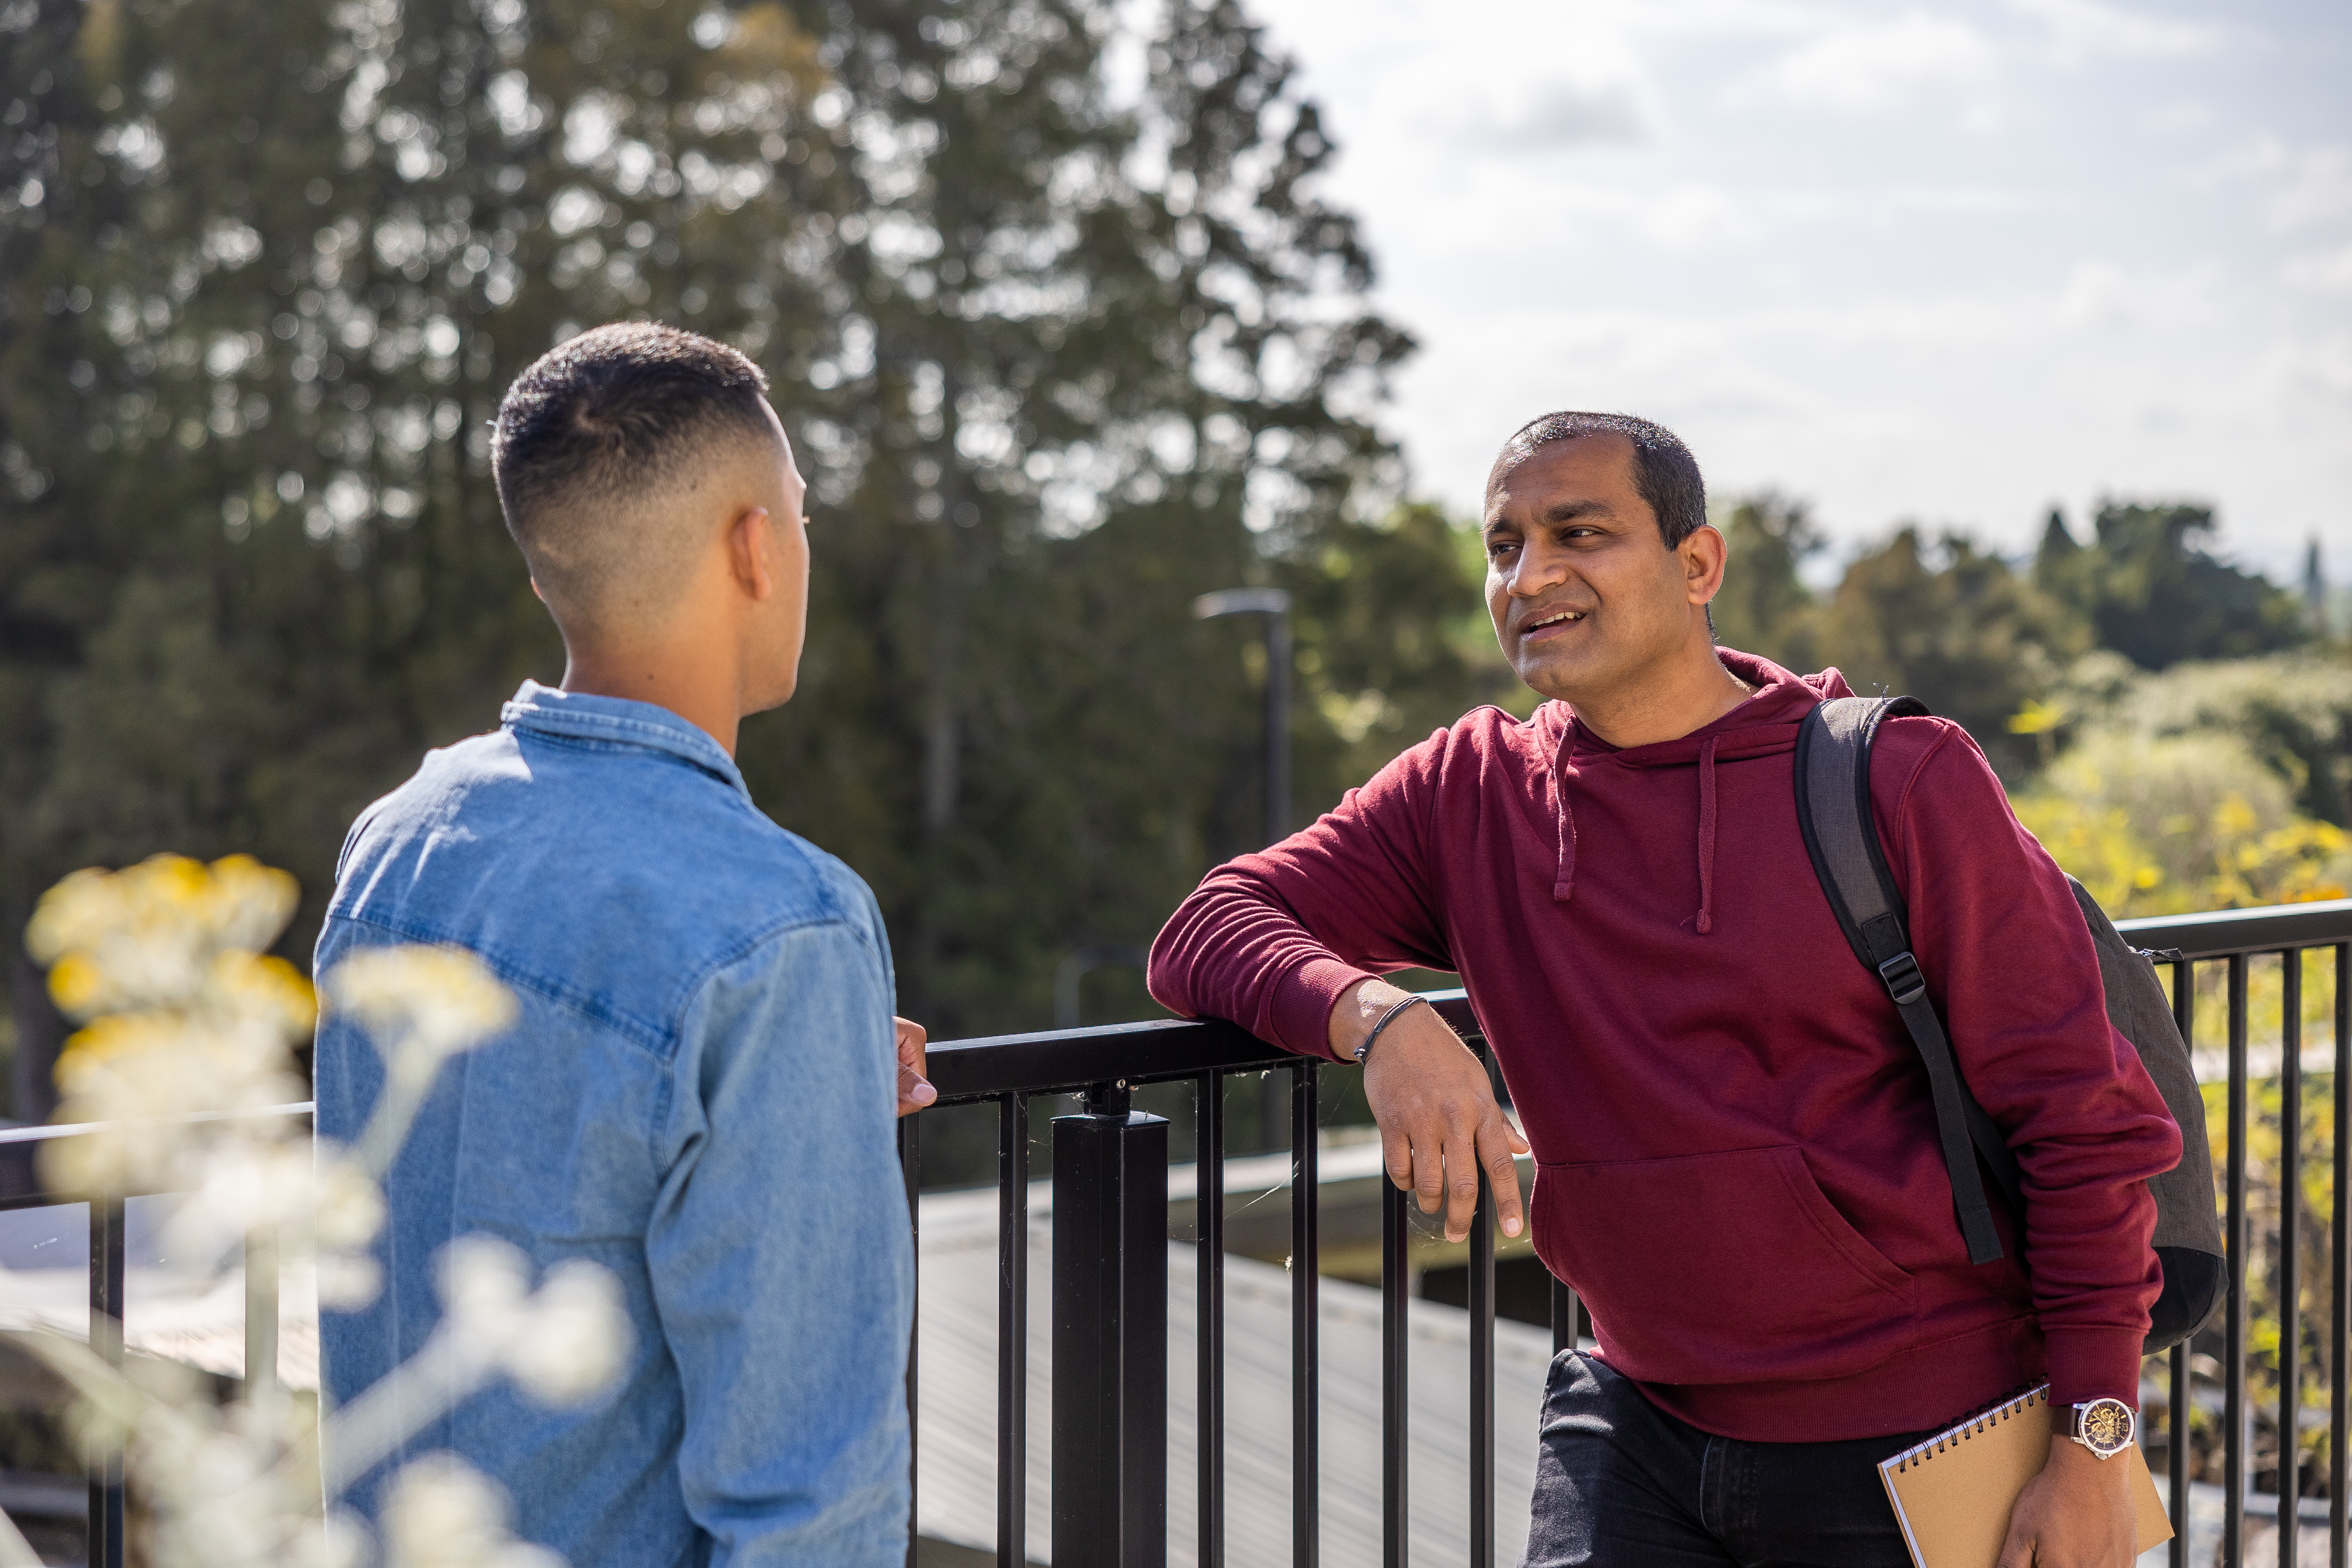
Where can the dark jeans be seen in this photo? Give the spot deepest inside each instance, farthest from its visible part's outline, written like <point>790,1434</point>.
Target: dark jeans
<point>1622,1484</point>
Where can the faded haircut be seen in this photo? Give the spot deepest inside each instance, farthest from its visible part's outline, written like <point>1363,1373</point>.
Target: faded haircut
<point>598,428</point>
<point>1664,472</point>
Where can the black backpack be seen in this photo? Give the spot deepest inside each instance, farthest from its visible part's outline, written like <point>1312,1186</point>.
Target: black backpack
<point>1834,810</point>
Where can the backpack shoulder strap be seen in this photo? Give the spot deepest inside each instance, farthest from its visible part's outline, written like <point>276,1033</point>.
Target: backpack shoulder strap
<point>1833,812</point>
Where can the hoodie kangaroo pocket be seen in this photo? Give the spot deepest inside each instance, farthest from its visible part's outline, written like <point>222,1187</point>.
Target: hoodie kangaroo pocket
<point>1728,1268</point>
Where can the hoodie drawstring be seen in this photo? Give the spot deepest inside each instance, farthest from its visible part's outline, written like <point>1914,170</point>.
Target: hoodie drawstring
<point>1563,876</point>
<point>1707,835</point>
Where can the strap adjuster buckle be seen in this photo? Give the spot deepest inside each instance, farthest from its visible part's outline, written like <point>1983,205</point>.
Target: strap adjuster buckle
<point>1904,981</point>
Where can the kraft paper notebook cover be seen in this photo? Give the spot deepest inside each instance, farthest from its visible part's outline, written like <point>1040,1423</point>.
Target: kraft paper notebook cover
<point>1953,1493</point>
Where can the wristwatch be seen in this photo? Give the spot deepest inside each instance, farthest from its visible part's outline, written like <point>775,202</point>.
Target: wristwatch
<point>2105,1426</point>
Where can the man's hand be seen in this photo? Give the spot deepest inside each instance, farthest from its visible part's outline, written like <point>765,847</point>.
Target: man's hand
<point>1436,1106</point>
<point>914,1091</point>
<point>2077,1513</point>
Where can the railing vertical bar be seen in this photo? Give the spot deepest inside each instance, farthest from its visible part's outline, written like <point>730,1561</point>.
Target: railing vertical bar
<point>2290,1180</point>
<point>2339,1274</point>
<point>2177,1417</point>
<point>1013,1330</point>
<point>1563,1316</point>
<point>1305,1395</point>
<point>260,1310</point>
<point>2233,1366</point>
<point>1396,1294</point>
<point>1482,1362</point>
<point>910,1168</point>
<point>2176,1458</point>
<point>1209,1313</point>
<point>108,1265</point>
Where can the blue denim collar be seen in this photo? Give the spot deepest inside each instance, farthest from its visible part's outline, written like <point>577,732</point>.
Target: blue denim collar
<point>616,721</point>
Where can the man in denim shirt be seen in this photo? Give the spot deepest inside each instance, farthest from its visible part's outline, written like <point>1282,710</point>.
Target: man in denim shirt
<point>698,1091</point>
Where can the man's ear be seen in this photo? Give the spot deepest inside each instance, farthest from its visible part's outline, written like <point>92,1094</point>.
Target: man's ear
<point>752,552</point>
<point>1704,551</point>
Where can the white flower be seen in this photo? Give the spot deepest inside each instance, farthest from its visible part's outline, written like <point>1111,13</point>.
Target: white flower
<point>440,1512</point>
<point>420,1005</point>
<point>348,1280</point>
<point>577,1338</point>
<point>563,1343</point>
<point>484,1283</point>
<point>350,1209</point>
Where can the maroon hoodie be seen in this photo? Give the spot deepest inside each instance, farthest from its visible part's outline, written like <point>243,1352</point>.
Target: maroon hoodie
<point>1738,1166</point>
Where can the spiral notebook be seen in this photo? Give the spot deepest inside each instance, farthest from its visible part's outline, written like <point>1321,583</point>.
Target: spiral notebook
<point>1953,1493</point>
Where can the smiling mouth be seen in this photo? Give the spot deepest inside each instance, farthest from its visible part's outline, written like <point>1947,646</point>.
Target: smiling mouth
<point>1557,619</point>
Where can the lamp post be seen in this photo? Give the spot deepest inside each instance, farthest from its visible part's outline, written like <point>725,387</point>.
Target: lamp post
<point>1274,605</point>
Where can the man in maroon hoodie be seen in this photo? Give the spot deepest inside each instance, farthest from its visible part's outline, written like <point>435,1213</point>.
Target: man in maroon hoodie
<point>1736,1158</point>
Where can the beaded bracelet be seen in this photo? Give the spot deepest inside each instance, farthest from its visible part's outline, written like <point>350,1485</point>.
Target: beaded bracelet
<point>1382,1022</point>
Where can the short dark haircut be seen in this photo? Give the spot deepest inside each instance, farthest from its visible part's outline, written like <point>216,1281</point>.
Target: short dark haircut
<point>609,418</point>
<point>1664,472</point>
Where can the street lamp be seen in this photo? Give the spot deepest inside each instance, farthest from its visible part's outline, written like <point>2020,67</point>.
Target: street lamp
<point>1274,605</point>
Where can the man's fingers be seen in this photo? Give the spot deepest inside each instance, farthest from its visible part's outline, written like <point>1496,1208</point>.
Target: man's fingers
<point>1429,1169</point>
<point>1503,1175</point>
<point>1396,1158</point>
<point>1461,1183</point>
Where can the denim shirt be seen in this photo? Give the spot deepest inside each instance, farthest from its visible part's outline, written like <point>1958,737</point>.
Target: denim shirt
<point>698,1093</point>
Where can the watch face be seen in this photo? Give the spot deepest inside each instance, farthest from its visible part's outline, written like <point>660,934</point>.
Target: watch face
<point>2106,1424</point>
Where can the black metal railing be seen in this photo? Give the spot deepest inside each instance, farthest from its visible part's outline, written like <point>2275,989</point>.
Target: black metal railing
<point>1109,1279</point>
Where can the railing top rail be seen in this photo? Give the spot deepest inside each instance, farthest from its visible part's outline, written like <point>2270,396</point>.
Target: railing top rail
<point>1155,1051</point>
<point>79,1129</point>
<point>2220,933</point>
<point>1169,1049</point>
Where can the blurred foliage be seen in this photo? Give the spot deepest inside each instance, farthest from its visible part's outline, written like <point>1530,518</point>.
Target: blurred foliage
<point>1764,607</point>
<point>1063,342</point>
<point>1952,625</point>
<point>2204,787</point>
<point>2151,591</point>
<point>1066,337</point>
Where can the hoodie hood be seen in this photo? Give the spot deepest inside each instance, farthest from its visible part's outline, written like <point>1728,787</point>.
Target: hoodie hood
<point>1764,725</point>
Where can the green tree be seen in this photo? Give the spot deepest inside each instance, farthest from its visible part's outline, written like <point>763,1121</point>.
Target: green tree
<point>2154,592</point>
<point>1059,354</point>
<point>1953,625</point>
<point>1764,607</point>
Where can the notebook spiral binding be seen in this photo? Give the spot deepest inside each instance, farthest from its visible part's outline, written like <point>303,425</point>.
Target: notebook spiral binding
<point>1954,1436</point>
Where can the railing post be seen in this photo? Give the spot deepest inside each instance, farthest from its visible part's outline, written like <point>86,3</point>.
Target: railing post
<point>910,1171</point>
<point>108,1265</point>
<point>1110,1335</point>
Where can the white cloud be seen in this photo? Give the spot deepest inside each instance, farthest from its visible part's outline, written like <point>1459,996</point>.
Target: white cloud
<point>2315,189</point>
<point>2319,271</point>
<point>1864,66</point>
<point>2082,29</point>
<point>2102,294</point>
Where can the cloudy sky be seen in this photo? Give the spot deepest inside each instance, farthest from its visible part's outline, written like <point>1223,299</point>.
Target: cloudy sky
<point>1948,263</point>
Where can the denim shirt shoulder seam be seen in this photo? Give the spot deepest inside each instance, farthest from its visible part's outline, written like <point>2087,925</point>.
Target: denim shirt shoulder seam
<point>638,1032</point>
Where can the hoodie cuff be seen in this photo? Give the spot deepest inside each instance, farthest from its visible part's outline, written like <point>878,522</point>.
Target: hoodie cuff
<point>2087,1363</point>
<point>1300,1012</point>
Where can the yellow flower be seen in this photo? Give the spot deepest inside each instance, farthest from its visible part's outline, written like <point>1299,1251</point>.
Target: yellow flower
<point>147,936</point>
